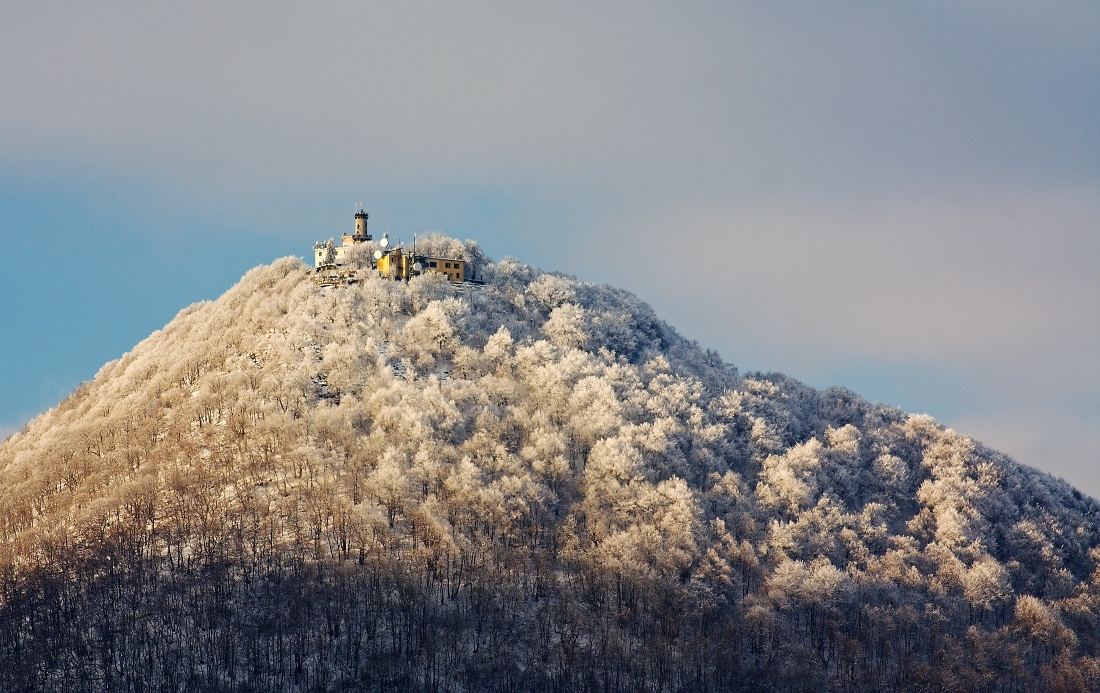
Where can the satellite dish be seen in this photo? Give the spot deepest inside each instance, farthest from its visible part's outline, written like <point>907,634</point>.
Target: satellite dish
<point>384,242</point>
<point>417,266</point>
<point>378,255</point>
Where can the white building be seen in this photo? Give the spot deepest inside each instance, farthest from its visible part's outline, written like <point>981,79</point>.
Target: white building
<point>328,254</point>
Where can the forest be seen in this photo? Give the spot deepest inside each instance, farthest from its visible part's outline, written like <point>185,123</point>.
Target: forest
<point>531,485</point>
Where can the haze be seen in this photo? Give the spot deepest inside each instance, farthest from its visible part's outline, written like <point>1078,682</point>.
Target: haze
<point>900,199</point>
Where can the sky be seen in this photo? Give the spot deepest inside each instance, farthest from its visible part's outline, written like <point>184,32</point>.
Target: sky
<point>902,198</point>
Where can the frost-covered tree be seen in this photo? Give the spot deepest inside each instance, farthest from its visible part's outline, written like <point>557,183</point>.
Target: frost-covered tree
<point>530,484</point>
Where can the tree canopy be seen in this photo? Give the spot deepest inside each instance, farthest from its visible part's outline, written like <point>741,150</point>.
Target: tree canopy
<point>534,484</point>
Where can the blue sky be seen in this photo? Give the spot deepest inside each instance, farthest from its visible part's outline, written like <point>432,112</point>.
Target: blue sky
<point>902,198</point>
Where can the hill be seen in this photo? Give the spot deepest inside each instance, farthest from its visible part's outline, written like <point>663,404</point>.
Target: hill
<point>535,484</point>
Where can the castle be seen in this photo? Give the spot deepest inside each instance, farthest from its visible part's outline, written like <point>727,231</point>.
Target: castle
<point>330,260</point>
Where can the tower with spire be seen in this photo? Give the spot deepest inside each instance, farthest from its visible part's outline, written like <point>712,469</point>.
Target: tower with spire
<point>327,253</point>
<point>360,234</point>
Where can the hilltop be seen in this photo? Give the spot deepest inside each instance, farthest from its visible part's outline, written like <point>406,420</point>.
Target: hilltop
<point>531,484</point>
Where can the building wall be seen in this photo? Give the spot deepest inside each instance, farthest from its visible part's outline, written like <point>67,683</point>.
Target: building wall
<point>320,252</point>
<point>400,266</point>
<point>396,263</point>
<point>454,269</point>
<point>384,265</point>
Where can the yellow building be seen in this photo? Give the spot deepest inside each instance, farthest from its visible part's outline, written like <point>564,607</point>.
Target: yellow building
<point>393,264</point>
<point>396,264</point>
<point>454,269</point>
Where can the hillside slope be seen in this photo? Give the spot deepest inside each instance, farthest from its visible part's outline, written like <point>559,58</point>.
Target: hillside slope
<point>531,485</point>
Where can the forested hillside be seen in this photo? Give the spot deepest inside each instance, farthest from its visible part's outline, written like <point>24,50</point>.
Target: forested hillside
<point>534,484</point>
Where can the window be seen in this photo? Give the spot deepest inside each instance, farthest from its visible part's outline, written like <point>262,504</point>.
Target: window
<point>432,263</point>
<point>448,265</point>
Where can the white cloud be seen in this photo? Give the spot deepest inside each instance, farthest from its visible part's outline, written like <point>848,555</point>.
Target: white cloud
<point>820,97</point>
<point>987,277</point>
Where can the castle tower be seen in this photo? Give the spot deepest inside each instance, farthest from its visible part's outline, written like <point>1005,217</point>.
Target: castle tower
<point>361,226</point>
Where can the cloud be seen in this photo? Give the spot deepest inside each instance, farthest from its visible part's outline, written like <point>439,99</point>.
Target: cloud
<point>715,95</point>
<point>966,278</point>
